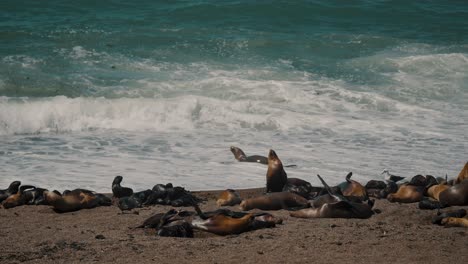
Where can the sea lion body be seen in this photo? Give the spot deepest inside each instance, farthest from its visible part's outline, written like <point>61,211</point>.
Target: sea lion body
<point>22,197</point>
<point>463,174</point>
<point>341,209</point>
<point>407,194</point>
<point>275,201</point>
<point>75,200</point>
<point>435,190</point>
<point>224,225</point>
<point>454,222</point>
<point>276,177</point>
<point>457,213</point>
<point>352,188</point>
<point>228,197</point>
<point>240,156</point>
<point>119,191</point>
<point>455,195</point>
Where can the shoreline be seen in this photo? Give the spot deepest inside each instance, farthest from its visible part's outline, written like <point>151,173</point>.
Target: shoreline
<point>400,233</point>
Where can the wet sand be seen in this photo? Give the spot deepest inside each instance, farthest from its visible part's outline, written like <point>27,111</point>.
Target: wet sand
<point>401,233</point>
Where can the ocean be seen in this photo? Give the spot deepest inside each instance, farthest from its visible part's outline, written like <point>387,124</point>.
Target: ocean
<point>157,91</point>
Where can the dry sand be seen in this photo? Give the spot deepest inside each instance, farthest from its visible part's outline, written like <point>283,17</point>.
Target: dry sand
<point>401,233</point>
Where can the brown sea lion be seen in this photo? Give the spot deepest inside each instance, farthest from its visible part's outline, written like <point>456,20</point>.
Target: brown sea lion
<point>407,194</point>
<point>352,188</point>
<point>435,190</point>
<point>463,174</point>
<point>457,213</point>
<point>75,200</point>
<point>22,197</point>
<point>455,195</point>
<point>224,225</point>
<point>228,197</point>
<point>454,222</point>
<point>276,177</point>
<point>240,156</point>
<point>275,201</point>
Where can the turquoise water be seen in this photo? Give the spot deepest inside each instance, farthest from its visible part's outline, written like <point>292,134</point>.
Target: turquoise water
<point>158,90</point>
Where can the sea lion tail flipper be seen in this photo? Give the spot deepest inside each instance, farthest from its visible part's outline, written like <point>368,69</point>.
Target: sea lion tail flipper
<point>325,185</point>
<point>348,177</point>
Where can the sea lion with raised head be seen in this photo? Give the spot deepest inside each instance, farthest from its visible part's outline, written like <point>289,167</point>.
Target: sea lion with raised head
<point>117,190</point>
<point>240,156</point>
<point>407,194</point>
<point>228,197</point>
<point>463,174</point>
<point>275,201</point>
<point>12,189</point>
<point>276,177</point>
<point>454,222</point>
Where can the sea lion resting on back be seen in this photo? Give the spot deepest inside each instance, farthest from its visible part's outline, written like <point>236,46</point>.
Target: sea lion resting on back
<point>22,197</point>
<point>336,206</point>
<point>75,200</point>
<point>275,201</point>
<point>353,189</point>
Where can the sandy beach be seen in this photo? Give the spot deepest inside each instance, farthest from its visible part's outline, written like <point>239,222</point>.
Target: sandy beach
<point>401,233</point>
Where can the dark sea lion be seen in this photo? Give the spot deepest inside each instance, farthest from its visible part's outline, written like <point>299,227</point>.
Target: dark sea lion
<point>275,201</point>
<point>430,204</point>
<point>301,187</point>
<point>463,174</point>
<point>407,194</point>
<point>352,188</point>
<point>37,196</point>
<point>437,220</point>
<point>337,207</point>
<point>179,228</point>
<point>22,197</point>
<point>431,181</point>
<point>276,177</point>
<point>455,195</point>
<point>228,197</point>
<point>136,200</point>
<point>12,189</point>
<point>418,180</point>
<point>454,222</point>
<point>240,156</point>
<point>119,191</point>
<point>374,184</point>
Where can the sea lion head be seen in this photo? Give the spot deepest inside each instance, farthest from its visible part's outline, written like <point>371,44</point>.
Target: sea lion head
<point>244,205</point>
<point>117,180</point>
<point>14,186</point>
<point>238,153</point>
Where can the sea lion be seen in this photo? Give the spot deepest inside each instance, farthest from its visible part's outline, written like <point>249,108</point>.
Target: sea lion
<point>437,220</point>
<point>454,222</point>
<point>390,187</point>
<point>301,187</point>
<point>12,189</point>
<point>119,191</point>
<point>275,201</point>
<point>418,180</point>
<point>455,195</point>
<point>135,200</point>
<point>463,174</point>
<point>180,228</point>
<point>224,225</point>
<point>228,197</point>
<point>337,207</point>
<point>352,188</point>
<point>240,156</point>
<point>374,184</point>
<point>435,190</point>
<point>276,177</point>
<point>75,200</point>
<point>20,198</point>
<point>407,194</point>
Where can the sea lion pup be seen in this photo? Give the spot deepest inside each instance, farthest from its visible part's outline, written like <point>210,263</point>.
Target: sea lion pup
<point>437,220</point>
<point>228,197</point>
<point>339,207</point>
<point>240,156</point>
<point>275,201</point>
<point>353,189</point>
<point>12,189</point>
<point>407,194</point>
<point>119,191</point>
<point>455,195</point>
<point>22,197</point>
<point>276,177</point>
<point>390,187</point>
<point>462,175</point>
<point>454,222</point>
<point>135,200</point>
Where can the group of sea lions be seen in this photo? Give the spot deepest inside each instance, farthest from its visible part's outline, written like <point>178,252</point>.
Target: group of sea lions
<point>349,199</point>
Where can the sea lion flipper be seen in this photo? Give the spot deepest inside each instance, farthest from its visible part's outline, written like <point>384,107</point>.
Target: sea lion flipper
<point>329,190</point>
<point>348,177</point>
<point>341,204</point>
